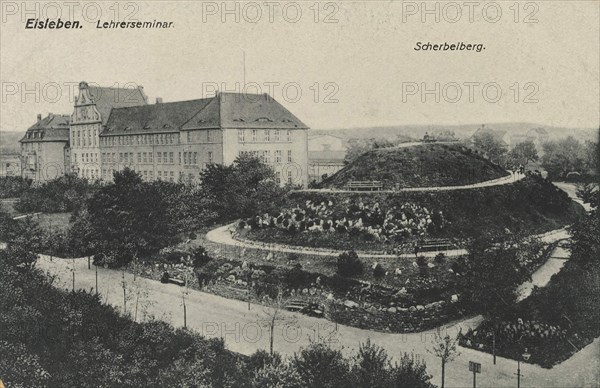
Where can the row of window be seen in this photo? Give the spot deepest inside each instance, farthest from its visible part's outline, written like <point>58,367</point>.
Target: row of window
<point>267,135</point>
<point>185,158</point>
<point>84,137</point>
<point>86,157</point>
<point>265,155</point>
<point>158,138</point>
<point>148,175</point>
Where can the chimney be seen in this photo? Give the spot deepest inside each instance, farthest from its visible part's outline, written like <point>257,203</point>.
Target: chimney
<point>159,100</point>
<point>39,117</point>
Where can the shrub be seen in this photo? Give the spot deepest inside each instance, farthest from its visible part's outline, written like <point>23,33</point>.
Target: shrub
<point>200,257</point>
<point>378,271</point>
<point>421,261</point>
<point>293,257</point>
<point>440,258</point>
<point>348,264</point>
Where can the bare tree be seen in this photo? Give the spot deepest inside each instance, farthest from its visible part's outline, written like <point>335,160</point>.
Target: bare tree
<point>275,317</point>
<point>444,347</point>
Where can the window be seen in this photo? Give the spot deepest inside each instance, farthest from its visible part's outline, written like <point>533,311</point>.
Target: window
<point>289,176</point>
<point>189,136</point>
<point>289,154</point>
<point>278,177</point>
<point>171,158</point>
<point>241,136</point>
<point>254,135</point>
<point>144,157</point>
<point>150,157</point>
<point>289,135</point>
<point>278,156</point>
<point>139,157</point>
<point>179,157</point>
<point>159,175</point>
<point>185,158</point>
<point>159,158</point>
<point>277,135</point>
<point>151,173</point>
<point>195,158</point>
<point>209,137</point>
<point>131,157</point>
<point>210,157</point>
<point>267,135</point>
<point>266,156</point>
<point>172,176</point>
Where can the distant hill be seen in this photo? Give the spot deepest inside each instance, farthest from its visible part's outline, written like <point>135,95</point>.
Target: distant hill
<point>423,165</point>
<point>461,131</point>
<point>9,142</point>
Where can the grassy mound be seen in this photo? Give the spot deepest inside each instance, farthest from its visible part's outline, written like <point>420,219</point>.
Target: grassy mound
<point>530,206</point>
<point>424,165</point>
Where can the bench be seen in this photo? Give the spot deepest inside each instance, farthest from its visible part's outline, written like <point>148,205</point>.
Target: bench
<point>166,278</point>
<point>364,185</point>
<point>310,309</point>
<point>436,245</point>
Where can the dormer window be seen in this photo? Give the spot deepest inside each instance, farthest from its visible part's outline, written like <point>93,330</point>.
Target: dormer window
<point>264,120</point>
<point>146,126</point>
<point>201,121</point>
<point>287,121</point>
<point>167,126</point>
<point>239,120</point>
<point>126,129</point>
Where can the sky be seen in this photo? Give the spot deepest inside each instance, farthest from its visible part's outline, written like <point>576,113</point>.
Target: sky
<point>332,64</point>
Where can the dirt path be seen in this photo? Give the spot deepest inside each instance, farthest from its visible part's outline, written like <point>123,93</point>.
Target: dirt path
<point>245,331</point>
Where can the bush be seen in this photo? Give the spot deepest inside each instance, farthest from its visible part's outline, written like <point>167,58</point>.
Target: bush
<point>200,257</point>
<point>348,264</point>
<point>421,261</point>
<point>293,257</point>
<point>440,258</point>
<point>378,271</point>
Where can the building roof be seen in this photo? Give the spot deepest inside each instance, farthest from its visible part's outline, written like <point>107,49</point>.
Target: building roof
<point>225,110</point>
<point>50,128</point>
<point>106,99</point>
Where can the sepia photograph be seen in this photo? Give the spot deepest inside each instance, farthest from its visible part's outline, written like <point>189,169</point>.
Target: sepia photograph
<point>299,194</point>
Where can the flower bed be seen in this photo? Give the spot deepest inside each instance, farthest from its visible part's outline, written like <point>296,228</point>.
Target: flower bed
<point>390,221</point>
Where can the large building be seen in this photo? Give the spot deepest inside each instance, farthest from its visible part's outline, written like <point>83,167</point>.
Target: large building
<point>45,152</point>
<point>177,140</point>
<point>92,109</point>
<point>112,128</point>
<point>326,155</point>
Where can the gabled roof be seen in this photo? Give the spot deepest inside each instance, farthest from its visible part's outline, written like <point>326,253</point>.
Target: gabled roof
<point>162,117</point>
<point>106,99</point>
<point>50,128</point>
<point>256,111</point>
<point>225,110</point>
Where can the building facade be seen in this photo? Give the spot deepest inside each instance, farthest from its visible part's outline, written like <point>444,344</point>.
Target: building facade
<point>45,152</point>
<point>177,140</point>
<point>326,154</point>
<point>90,114</point>
<point>115,128</point>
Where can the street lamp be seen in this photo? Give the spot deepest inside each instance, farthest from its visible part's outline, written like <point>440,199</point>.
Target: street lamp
<point>526,357</point>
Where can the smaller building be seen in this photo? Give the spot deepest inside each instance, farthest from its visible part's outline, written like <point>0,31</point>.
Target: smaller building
<point>10,164</point>
<point>45,151</point>
<point>326,154</point>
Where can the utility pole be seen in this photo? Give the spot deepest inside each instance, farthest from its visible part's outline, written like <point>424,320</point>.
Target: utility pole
<point>96,267</point>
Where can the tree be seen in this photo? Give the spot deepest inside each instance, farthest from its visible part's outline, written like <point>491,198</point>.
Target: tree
<point>371,367</point>
<point>274,317</point>
<point>492,271</point>
<point>321,366</point>
<point>492,146</point>
<point>563,156</point>
<point>409,373</point>
<point>129,217</point>
<point>524,153</point>
<point>588,193</point>
<point>445,348</point>
<point>242,190</point>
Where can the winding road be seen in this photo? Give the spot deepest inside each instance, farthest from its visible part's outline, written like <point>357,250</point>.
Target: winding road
<point>244,329</point>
